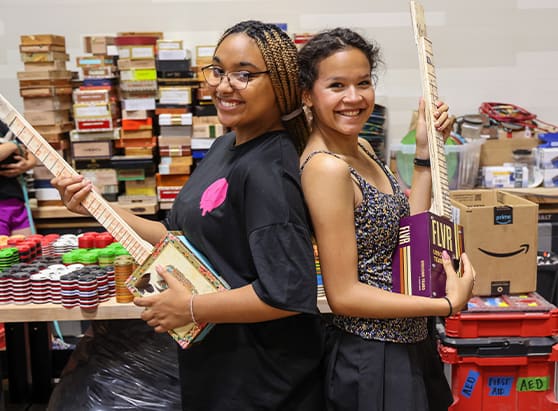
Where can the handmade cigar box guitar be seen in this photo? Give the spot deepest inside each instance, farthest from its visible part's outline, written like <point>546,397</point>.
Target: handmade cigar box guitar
<point>192,269</point>
<point>417,262</point>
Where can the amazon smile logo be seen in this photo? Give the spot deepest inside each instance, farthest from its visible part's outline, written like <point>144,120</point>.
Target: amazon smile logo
<point>523,248</point>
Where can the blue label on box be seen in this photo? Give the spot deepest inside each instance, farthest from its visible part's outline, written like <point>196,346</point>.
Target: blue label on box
<point>500,386</point>
<point>503,215</point>
<point>469,385</point>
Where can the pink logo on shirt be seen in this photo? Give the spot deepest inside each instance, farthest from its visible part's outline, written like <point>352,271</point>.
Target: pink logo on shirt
<point>214,195</point>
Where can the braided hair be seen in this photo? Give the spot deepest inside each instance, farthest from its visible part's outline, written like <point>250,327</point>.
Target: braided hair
<point>327,43</point>
<point>280,57</point>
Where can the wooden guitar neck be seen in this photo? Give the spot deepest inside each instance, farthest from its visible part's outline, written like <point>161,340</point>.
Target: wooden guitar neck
<point>94,202</point>
<point>441,204</point>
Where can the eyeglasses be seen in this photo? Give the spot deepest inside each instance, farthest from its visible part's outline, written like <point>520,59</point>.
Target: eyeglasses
<point>237,79</point>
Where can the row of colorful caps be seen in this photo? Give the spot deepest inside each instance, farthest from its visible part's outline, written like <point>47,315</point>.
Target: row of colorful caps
<point>74,285</point>
<point>102,256</point>
<point>94,239</point>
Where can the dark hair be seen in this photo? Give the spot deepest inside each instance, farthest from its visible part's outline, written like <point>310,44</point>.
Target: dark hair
<point>280,56</point>
<point>324,44</point>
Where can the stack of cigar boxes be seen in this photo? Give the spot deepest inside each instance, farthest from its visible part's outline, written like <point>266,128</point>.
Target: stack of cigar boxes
<point>46,86</point>
<point>177,83</point>
<point>206,125</point>
<point>138,92</point>
<point>96,113</point>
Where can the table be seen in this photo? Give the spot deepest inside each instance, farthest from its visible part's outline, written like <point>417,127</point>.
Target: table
<point>108,310</point>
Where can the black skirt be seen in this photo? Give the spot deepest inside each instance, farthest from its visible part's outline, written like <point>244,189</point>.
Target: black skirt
<point>369,375</point>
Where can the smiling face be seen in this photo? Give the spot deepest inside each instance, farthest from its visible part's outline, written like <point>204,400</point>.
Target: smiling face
<point>342,97</point>
<point>252,111</point>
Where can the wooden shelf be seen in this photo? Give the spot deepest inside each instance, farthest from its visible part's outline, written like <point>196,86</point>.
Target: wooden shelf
<point>108,310</point>
<point>539,195</point>
<point>44,212</point>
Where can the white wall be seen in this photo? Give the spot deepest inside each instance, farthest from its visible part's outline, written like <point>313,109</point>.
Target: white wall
<point>489,50</point>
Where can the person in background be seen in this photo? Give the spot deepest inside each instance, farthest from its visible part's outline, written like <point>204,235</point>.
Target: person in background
<point>243,208</point>
<point>14,162</point>
<point>379,352</point>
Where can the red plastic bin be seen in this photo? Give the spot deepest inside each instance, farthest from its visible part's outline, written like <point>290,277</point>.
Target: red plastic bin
<point>522,383</point>
<point>513,324</point>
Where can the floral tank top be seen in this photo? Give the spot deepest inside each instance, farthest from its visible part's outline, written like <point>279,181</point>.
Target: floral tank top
<point>377,233</point>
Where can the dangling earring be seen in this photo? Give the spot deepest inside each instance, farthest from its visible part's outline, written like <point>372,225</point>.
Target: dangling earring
<point>308,115</point>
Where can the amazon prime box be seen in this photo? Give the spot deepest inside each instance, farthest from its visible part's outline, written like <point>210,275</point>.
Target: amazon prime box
<point>500,232</point>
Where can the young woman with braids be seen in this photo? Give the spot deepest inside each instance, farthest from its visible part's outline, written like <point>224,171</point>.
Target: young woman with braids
<point>243,208</point>
<point>379,354</point>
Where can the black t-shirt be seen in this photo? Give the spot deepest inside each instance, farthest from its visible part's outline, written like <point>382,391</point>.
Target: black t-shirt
<point>10,188</point>
<point>243,208</point>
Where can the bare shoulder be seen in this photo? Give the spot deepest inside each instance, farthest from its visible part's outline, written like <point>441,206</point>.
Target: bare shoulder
<point>326,166</point>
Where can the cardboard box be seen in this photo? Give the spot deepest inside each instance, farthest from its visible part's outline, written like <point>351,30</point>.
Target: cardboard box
<point>500,232</point>
<point>495,152</point>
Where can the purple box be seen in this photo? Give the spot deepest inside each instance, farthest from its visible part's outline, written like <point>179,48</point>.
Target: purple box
<point>417,261</point>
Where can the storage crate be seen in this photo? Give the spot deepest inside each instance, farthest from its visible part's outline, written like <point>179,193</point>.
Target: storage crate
<point>462,164</point>
<point>519,324</point>
<point>507,383</point>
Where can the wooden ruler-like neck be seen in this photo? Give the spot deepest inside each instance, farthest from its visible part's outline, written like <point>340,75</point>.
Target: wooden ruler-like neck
<point>94,202</point>
<point>441,203</point>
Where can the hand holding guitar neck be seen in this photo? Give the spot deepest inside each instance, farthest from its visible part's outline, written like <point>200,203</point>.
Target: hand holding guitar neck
<point>73,191</point>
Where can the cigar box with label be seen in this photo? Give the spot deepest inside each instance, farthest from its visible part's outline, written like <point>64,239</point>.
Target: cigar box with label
<point>38,39</point>
<point>47,103</point>
<point>43,118</point>
<point>83,150</point>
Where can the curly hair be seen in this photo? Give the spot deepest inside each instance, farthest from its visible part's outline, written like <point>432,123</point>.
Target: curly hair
<point>326,43</point>
<point>280,56</point>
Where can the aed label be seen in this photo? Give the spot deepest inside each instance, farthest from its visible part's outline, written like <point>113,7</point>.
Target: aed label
<point>469,385</point>
<point>533,384</point>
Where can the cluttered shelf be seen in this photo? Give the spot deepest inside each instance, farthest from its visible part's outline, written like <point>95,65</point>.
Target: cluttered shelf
<point>108,310</point>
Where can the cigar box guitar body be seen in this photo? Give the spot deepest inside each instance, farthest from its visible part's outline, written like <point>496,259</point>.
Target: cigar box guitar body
<point>194,271</point>
<point>417,262</point>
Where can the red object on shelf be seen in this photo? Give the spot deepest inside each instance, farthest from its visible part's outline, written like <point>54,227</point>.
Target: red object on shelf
<point>2,337</point>
<point>86,241</point>
<point>522,324</point>
<point>103,240</point>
